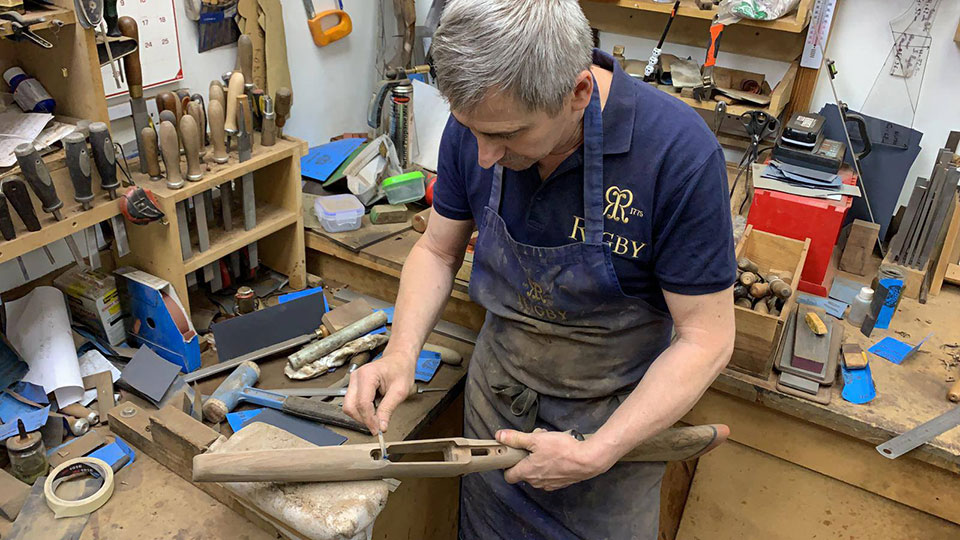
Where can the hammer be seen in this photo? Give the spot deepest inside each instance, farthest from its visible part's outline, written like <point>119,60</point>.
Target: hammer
<point>238,386</point>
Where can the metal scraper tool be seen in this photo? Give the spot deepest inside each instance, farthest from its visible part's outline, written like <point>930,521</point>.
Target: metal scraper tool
<point>919,435</point>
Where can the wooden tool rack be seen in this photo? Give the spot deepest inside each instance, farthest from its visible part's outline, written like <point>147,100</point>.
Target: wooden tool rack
<point>70,72</point>
<point>155,248</point>
<point>781,39</point>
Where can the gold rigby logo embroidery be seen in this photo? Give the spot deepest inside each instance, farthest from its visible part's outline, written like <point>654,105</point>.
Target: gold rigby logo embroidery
<point>618,203</point>
<point>535,293</point>
<point>536,303</point>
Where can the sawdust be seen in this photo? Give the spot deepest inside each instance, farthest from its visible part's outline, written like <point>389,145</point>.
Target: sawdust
<point>901,333</point>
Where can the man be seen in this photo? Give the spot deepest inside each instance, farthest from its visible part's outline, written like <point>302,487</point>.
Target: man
<point>603,226</point>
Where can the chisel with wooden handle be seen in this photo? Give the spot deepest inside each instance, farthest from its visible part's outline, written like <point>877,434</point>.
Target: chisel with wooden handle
<point>281,107</point>
<point>245,150</point>
<point>459,456</point>
<point>132,67</point>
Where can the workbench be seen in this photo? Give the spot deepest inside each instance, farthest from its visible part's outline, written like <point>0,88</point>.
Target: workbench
<point>793,469</point>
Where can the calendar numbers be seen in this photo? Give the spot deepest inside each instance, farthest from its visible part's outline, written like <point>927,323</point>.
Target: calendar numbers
<point>159,45</point>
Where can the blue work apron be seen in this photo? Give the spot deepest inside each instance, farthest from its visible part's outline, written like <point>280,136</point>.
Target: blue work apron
<point>562,346</point>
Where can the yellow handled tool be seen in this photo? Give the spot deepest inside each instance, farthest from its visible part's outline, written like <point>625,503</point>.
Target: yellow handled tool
<point>327,36</point>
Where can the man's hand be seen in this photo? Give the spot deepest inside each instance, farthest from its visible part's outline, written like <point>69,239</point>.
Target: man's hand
<point>391,376</point>
<point>556,459</point>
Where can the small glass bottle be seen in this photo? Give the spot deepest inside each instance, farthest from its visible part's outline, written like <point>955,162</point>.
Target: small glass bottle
<point>28,459</point>
<point>860,306</point>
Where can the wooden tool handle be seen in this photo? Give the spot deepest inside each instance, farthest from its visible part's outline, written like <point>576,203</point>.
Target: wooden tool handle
<point>447,356</point>
<point>166,101</point>
<point>234,90</point>
<point>244,114</point>
<point>420,220</point>
<point>282,104</point>
<point>191,147</point>
<point>217,135</point>
<point>195,109</point>
<point>318,411</point>
<point>216,93</point>
<point>170,149</point>
<point>151,149</point>
<point>131,62</point>
<point>245,58</point>
<point>954,393</point>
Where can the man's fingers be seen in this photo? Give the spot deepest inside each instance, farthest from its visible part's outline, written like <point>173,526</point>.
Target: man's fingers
<point>391,400</point>
<point>517,473</point>
<point>363,402</point>
<point>516,439</point>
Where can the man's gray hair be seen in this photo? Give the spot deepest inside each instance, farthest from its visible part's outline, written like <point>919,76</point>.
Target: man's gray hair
<point>532,50</point>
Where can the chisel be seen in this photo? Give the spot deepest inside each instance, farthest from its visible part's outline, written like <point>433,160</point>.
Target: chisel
<point>216,93</point>
<point>200,114</point>
<point>245,145</point>
<point>431,458</point>
<point>152,148</point>
<point>78,164</point>
<point>282,104</point>
<point>245,65</point>
<point>105,159</point>
<point>9,233</point>
<point>15,190</point>
<point>218,136</point>
<point>234,90</point>
<point>133,69</point>
<point>38,176</point>
<point>311,409</point>
<point>170,150</point>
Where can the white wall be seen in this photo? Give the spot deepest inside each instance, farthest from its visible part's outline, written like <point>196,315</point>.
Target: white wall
<point>859,43</point>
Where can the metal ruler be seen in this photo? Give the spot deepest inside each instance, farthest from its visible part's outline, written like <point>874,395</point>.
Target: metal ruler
<point>821,16</point>
<point>919,435</point>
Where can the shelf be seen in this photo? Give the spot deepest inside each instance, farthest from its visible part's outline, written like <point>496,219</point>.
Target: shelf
<point>270,219</point>
<point>793,22</point>
<point>215,174</point>
<point>779,98</point>
<point>66,16</point>
<point>75,219</point>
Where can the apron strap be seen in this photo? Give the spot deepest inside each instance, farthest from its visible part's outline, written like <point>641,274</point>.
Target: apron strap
<point>524,402</point>
<point>593,202</point>
<point>495,188</point>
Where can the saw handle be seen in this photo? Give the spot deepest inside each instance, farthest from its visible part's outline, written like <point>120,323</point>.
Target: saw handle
<point>341,28</point>
<point>713,48</point>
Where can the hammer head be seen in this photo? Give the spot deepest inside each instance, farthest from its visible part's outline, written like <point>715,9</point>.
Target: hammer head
<point>227,395</point>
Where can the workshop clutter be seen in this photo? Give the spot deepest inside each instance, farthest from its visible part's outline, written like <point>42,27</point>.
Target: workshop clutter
<point>768,266</point>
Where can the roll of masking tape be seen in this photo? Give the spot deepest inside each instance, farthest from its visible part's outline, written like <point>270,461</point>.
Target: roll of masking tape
<point>72,469</point>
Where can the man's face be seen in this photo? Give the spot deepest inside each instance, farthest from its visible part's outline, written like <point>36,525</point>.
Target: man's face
<point>512,136</point>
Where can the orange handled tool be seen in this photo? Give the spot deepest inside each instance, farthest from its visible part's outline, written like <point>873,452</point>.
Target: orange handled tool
<point>327,36</point>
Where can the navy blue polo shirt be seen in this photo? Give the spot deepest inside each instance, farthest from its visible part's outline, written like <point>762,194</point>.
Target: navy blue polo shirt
<point>667,216</point>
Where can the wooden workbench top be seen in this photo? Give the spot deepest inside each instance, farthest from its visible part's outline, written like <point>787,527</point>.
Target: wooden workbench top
<point>907,395</point>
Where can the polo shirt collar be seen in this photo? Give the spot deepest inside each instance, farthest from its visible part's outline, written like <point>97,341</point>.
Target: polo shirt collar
<point>620,110</point>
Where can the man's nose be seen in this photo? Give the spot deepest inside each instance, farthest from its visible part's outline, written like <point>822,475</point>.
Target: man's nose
<point>489,154</point>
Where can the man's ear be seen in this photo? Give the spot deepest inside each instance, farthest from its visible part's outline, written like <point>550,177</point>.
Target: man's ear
<point>582,91</point>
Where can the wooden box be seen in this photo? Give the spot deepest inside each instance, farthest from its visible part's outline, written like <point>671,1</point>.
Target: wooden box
<point>759,335</point>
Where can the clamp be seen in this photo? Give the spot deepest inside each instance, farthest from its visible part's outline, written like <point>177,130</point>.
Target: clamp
<point>21,29</point>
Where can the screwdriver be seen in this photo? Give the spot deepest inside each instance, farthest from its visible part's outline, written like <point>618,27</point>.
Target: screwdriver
<point>37,174</point>
<point>105,158</point>
<point>9,233</point>
<point>15,190</point>
<point>78,164</point>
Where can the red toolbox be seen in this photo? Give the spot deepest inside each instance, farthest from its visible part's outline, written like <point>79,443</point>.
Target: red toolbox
<point>799,217</point>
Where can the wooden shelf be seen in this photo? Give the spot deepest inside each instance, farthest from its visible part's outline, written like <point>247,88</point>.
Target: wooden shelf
<point>66,16</point>
<point>215,174</point>
<point>646,19</point>
<point>222,243</point>
<point>75,219</point>
<point>794,22</point>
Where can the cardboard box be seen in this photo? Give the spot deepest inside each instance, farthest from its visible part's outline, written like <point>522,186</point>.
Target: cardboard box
<point>94,302</point>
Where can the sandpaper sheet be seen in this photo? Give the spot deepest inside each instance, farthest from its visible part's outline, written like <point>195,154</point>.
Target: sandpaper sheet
<point>149,374</point>
<point>241,335</point>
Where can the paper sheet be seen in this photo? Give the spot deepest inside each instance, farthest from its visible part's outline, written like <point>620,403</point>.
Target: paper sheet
<point>17,128</point>
<point>430,115</point>
<point>94,362</point>
<point>38,325</point>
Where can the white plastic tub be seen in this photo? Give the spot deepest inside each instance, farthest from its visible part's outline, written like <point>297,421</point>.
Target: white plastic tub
<point>339,213</point>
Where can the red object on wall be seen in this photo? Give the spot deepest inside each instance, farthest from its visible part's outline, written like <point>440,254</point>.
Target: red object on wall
<point>799,217</point>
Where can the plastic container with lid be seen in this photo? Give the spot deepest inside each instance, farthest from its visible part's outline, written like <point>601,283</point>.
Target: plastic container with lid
<point>860,306</point>
<point>404,188</point>
<point>339,213</point>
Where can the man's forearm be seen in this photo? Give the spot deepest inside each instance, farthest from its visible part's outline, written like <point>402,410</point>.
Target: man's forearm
<point>425,285</point>
<point>671,387</point>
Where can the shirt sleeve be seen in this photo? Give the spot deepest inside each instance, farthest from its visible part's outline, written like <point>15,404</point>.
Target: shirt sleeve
<point>450,197</point>
<point>693,248</point>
